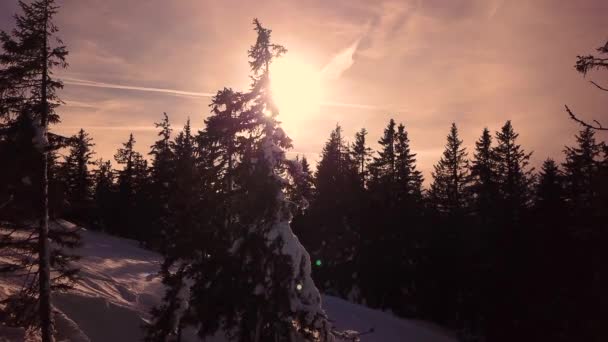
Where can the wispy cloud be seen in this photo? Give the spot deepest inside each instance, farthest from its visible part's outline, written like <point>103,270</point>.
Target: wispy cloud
<point>175,92</point>
<point>79,104</point>
<point>341,62</point>
<point>386,25</point>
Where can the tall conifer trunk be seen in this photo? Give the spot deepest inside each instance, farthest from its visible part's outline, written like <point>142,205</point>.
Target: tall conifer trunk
<point>43,239</point>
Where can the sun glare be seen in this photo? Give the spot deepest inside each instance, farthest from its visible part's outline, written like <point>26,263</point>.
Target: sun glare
<point>296,87</point>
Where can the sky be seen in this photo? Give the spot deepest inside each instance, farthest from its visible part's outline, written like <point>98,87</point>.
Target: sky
<point>425,63</point>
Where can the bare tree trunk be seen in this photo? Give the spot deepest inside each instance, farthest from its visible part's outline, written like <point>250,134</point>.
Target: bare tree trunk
<point>44,271</point>
<point>258,327</point>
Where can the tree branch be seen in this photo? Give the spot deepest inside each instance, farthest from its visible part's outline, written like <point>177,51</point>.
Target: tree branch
<point>598,126</point>
<point>597,85</point>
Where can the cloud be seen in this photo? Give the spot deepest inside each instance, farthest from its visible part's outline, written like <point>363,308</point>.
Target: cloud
<point>175,92</point>
<point>341,62</point>
<point>387,24</point>
<point>79,104</point>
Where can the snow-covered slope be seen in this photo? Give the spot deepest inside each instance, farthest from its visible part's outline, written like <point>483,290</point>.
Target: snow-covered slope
<point>119,286</point>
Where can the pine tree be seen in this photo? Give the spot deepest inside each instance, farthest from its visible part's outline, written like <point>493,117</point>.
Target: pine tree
<point>333,228</point>
<point>581,169</point>
<point>450,189</point>
<point>409,179</point>
<point>361,154</point>
<point>301,190</point>
<point>162,179</point>
<point>513,176</point>
<point>161,171</point>
<point>28,89</point>
<point>275,298</point>
<point>383,167</point>
<point>104,194</point>
<point>78,180</point>
<point>183,201</point>
<point>390,234</point>
<point>484,178</point>
<point>132,181</point>
<point>550,198</point>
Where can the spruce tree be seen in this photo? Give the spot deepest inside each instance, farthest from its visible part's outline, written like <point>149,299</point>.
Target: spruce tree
<point>484,178</point>
<point>77,177</point>
<point>131,183</point>
<point>409,179</point>
<point>104,194</point>
<point>161,173</point>
<point>361,154</point>
<point>451,179</point>
<point>259,287</point>
<point>550,199</point>
<point>391,234</point>
<point>513,176</point>
<point>28,89</point>
<point>162,180</point>
<point>301,190</point>
<point>581,169</point>
<point>383,167</point>
<point>333,229</point>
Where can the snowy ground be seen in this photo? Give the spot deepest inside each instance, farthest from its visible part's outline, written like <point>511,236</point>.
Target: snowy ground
<point>119,286</point>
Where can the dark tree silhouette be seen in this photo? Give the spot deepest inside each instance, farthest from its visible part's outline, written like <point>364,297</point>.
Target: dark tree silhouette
<point>27,88</point>
<point>76,175</point>
<point>361,154</point>
<point>450,191</point>
<point>275,298</point>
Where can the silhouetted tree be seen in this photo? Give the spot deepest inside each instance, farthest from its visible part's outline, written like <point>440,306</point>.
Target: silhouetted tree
<point>104,194</point>
<point>451,179</point>
<point>513,176</point>
<point>162,180</point>
<point>275,298</point>
<point>27,88</point>
<point>361,154</point>
<point>131,183</point>
<point>484,178</point>
<point>581,169</point>
<point>77,177</point>
<point>333,227</point>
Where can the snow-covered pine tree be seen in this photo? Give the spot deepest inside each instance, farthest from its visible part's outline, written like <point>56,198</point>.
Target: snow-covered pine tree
<point>254,282</point>
<point>28,96</point>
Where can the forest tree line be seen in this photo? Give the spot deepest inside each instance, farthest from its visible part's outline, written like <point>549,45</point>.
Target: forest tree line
<point>491,249</point>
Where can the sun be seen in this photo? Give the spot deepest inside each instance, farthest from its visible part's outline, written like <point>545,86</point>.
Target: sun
<point>296,87</point>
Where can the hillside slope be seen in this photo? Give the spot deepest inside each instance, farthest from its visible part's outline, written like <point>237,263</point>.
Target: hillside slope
<point>119,286</point>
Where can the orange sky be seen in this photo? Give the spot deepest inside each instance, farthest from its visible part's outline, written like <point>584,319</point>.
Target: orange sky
<point>423,63</point>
